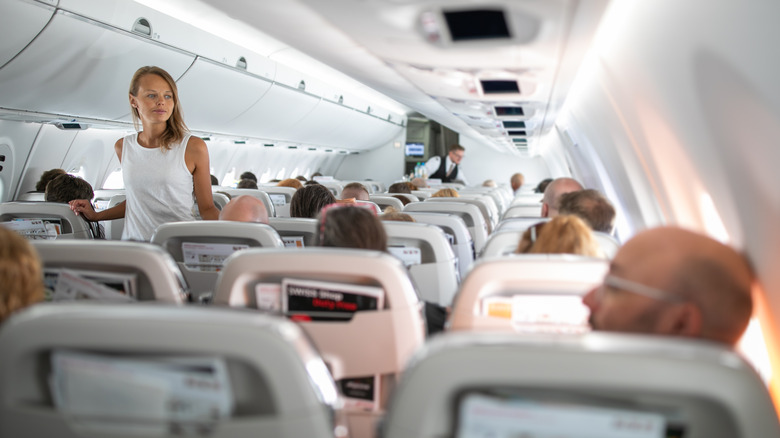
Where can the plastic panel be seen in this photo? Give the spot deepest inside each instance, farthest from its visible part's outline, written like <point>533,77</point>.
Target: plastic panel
<point>275,115</point>
<point>20,22</point>
<point>75,57</point>
<point>213,95</point>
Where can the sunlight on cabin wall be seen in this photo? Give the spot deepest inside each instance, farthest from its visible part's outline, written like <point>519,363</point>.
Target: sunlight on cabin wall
<point>713,224</point>
<point>114,180</point>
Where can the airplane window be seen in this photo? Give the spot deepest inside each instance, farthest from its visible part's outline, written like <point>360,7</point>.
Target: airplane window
<point>114,180</point>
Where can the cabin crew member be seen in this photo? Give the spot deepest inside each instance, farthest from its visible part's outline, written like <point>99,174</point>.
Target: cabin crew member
<point>553,192</point>
<point>669,281</point>
<point>447,169</point>
<point>244,208</point>
<point>162,165</point>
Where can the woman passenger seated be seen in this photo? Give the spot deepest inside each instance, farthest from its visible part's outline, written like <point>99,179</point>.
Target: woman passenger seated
<point>308,201</point>
<point>565,234</point>
<point>21,279</point>
<point>65,188</point>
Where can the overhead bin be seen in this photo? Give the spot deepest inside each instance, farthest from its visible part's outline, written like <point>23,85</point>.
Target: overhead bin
<point>332,124</point>
<point>76,67</point>
<point>212,95</point>
<point>20,22</point>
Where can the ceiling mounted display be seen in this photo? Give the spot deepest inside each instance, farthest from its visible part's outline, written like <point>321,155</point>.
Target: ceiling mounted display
<point>491,86</point>
<point>477,24</point>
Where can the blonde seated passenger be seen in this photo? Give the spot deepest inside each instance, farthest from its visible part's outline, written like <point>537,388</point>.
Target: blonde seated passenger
<point>565,234</point>
<point>21,279</point>
<point>290,182</point>
<point>446,193</point>
<point>391,214</point>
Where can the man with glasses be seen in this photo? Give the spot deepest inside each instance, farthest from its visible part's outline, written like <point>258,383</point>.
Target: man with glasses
<point>669,281</point>
<point>447,168</point>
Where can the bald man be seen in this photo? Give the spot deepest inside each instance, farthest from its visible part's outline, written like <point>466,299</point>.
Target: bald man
<point>553,192</point>
<point>669,281</point>
<point>355,190</point>
<point>516,181</point>
<point>244,208</point>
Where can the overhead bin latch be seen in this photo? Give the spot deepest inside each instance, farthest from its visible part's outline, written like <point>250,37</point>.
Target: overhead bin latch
<point>142,27</point>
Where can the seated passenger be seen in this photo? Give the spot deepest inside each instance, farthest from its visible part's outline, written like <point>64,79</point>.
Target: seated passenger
<point>420,183</point>
<point>670,281</point>
<point>65,188</point>
<point>356,191</point>
<point>214,181</point>
<point>46,177</point>
<point>446,193</point>
<point>553,193</point>
<point>244,208</point>
<point>488,183</point>
<point>290,182</point>
<point>561,235</point>
<point>516,181</point>
<point>542,186</point>
<point>308,201</point>
<point>590,206</point>
<point>246,183</point>
<point>404,200</point>
<point>248,175</point>
<point>399,187</point>
<point>391,214</point>
<point>21,278</point>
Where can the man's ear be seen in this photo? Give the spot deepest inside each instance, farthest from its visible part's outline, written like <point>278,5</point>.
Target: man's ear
<point>683,319</point>
<point>545,209</point>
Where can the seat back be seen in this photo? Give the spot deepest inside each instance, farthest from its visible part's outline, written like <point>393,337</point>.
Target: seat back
<point>609,245</point>
<point>296,232</point>
<point>371,347</point>
<point>608,384</point>
<point>528,199</point>
<point>494,192</point>
<point>118,369</point>
<point>200,247</point>
<point>44,220</point>
<point>374,186</point>
<point>411,198</point>
<point>426,252</point>
<point>471,215</point>
<point>518,223</point>
<point>384,201</point>
<point>335,187</point>
<point>281,198</point>
<point>523,210</point>
<point>220,200</point>
<point>422,194</point>
<point>257,193</point>
<point>527,292</point>
<point>505,242</point>
<point>489,214</point>
<point>145,271</point>
<point>455,229</point>
<point>32,196</point>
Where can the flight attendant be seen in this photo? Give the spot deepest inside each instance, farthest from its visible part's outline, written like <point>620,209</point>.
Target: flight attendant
<point>446,168</point>
<point>163,165</point>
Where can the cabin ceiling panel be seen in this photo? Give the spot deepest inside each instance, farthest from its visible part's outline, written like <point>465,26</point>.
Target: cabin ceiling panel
<point>212,95</point>
<point>274,116</point>
<point>334,125</point>
<point>78,68</point>
<point>20,22</point>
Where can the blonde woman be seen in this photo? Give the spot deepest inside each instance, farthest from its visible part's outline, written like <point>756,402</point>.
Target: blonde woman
<point>162,165</point>
<point>564,234</point>
<point>21,279</point>
<point>446,193</point>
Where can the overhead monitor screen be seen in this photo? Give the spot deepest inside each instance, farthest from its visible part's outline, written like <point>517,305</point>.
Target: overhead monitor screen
<point>415,150</point>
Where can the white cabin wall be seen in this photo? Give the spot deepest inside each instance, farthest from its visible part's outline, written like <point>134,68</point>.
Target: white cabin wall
<point>16,141</point>
<point>385,163</point>
<point>482,162</point>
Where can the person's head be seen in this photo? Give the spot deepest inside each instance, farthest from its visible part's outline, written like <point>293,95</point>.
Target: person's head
<point>290,182</point>
<point>488,183</point>
<point>248,175</point>
<point>46,177</point>
<point>246,183</point>
<point>399,187</point>
<point>404,200</point>
<point>355,190</point>
<point>562,234</point>
<point>553,192</point>
<point>419,182</point>
<point>214,181</point>
<point>301,178</point>
<point>244,208</point>
<point>21,278</point>
<point>351,226</point>
<point>315,174</point>
<point>591,206</point>
<point>392,214</point>
<point>446,192</point>
<point>154,98</point>
<point>66,188</point>
<point>309,200</point>
<point>456,153</point>
<point>516,181</point>
<point>542,186</point>
<point>670,281</point>
<point>311,182</point>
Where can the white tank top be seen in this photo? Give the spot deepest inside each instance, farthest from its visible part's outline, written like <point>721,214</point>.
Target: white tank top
<point>158,187</point>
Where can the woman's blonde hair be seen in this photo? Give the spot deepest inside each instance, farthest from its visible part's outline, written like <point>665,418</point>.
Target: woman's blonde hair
<point>564,234</point>
<point>175,128</point>
<point>446,193</point>
<point>21,278</point>
<point>290,182</point>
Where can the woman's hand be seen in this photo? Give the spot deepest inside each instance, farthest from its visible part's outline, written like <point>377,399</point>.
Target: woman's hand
<point>83,208</point>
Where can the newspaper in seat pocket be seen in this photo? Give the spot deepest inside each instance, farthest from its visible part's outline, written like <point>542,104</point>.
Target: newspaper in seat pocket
<point>409,255</point>
<point>36,228</point>
<point>143,396</point>
<point>75,285</point>
<point>208,256</point>
<point>360,393</point>
<point>322,300</point>
<point>293,241</point>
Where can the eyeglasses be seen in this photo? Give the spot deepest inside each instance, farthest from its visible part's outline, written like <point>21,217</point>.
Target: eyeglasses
<point>639,289</point>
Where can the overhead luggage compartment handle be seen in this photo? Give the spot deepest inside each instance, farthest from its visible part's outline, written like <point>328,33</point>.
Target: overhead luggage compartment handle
<point>142,27</point>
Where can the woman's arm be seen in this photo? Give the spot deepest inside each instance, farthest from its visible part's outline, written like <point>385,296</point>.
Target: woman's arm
<point>83,207</point>
<point>197,159</point>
